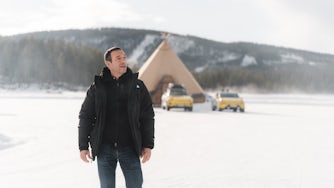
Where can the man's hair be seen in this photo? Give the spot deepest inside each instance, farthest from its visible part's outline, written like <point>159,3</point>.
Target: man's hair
<point>107,54</point>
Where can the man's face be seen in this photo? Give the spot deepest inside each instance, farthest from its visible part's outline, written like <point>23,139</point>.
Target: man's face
<point>117,65</point>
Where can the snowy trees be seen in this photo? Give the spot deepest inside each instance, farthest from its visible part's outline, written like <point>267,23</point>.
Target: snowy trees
<point>31,60</point>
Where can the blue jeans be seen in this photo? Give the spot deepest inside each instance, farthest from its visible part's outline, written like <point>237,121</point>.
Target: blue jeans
<point>129,162</point>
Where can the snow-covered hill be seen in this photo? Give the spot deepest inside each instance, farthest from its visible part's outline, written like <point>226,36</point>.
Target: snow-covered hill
<point>195,52</point>
<point>55,57</point>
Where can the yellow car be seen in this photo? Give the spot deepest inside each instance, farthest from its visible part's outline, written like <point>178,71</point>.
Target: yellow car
<point>176,96</point>
<point>229,101</point>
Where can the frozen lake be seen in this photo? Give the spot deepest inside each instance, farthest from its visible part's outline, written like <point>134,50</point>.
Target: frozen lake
<point>280,141</point>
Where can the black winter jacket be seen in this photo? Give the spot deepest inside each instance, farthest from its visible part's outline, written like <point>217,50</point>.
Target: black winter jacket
<point>92,116</point>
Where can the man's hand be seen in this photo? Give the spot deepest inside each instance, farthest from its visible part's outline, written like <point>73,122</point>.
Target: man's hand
<point>85,156</point>
<point>146,154</point>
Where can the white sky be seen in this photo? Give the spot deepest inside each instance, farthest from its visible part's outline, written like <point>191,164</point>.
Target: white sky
<point>301,24</point>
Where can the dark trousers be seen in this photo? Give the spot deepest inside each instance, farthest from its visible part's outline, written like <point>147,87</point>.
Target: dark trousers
<point>129,162</point>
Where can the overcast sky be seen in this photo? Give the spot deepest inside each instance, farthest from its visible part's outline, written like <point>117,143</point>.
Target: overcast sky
<point>301,24</point>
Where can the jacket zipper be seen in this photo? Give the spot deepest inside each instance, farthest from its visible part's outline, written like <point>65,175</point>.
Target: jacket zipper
<point>117,120</point>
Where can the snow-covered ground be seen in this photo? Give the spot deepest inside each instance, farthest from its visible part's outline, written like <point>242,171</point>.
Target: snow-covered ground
<point>283,141</point>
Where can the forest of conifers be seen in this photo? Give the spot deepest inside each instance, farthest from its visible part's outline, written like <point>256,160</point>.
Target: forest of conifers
<point>31,60</point>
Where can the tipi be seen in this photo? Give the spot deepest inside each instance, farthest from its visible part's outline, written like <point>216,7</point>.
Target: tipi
<point>164,67</point>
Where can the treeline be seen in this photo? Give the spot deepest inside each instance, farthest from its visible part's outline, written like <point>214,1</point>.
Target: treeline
<point>73,57</point>
<point>31,60</point>
<point>311,80</point>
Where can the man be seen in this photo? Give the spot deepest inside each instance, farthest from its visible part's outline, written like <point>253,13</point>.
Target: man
<point>117,122</point>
